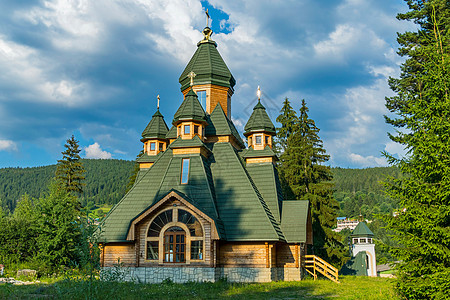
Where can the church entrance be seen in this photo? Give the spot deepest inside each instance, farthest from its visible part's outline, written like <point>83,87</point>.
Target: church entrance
<point>175,245</point>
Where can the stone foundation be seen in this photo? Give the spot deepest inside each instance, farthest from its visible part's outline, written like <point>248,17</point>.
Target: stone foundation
<point>200,274</point>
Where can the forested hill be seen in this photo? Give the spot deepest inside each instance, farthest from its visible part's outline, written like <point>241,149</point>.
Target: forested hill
<point>357,190</point>
<point>106,181</point>
<point>362,180</point>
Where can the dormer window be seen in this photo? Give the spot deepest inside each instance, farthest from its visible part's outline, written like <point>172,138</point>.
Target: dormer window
<point>152,146</point>
<point>258,140</point>
<point>187,129</point>
<point>185,171</point>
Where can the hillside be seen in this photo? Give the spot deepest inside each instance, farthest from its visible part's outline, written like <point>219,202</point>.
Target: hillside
<point>357,190</point>
<point>360,191</point>
<point>106,181</point>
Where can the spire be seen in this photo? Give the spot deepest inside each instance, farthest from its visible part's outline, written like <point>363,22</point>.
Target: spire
<point>259,120</point>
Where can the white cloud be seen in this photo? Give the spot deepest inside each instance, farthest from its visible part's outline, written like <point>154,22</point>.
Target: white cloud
<point>95,151</point>
<point>368,161</point>
<point>7,145</point>
<point>395,149</point>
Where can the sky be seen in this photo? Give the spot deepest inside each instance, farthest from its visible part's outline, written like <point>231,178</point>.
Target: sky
<point>93,69</point>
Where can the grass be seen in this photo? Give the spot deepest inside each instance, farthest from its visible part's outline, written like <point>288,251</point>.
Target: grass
<point>350,288</point>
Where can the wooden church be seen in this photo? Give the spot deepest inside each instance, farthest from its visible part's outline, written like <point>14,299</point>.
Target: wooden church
<point>204,206</point>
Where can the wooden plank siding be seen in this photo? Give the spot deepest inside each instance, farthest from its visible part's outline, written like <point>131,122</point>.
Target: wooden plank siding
<point>122,253</point>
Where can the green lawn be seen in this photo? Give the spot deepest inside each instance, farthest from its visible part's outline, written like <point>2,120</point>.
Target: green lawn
<point>349,288</point>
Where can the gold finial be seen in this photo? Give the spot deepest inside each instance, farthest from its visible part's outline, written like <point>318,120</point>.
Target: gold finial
<point>207,18</point>
<point>158,100</point>
<point>258,93</point>
<point>191,75</point>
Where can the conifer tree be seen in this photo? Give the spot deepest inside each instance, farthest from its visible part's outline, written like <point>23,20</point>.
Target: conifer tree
<point>288,120</point>
<point>133,176</point>
<point>70,170</point>
<point>303,169</point>
<point>422,110</point>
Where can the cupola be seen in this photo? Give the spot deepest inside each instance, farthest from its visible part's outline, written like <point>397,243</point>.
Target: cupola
<point>259,129</point>
<point>154,139</point>
<point>213,81</point>
<point>190,118</point>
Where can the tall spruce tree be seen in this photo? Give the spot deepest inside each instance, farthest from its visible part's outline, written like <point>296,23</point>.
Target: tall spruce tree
<point>422,109</point>
<point>307,177</point>
<point>70,170</point>
<point>288,120</point>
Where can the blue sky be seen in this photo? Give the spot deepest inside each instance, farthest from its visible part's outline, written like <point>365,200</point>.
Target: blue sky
<point>93,68</point>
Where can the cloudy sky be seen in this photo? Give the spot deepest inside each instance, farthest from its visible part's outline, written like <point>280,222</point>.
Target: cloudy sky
<point>93,68</point>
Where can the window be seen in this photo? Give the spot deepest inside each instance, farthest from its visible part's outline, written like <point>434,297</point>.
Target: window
<point>267,140</point>
<point>202,98</point>
<point>195,129</point>
<point>362,240</point>
<point>159,222</point>
<point>258,140</point>
<point>369,241</point>
<point>152,146</point>
<point>175,245</point>
<point>187,129</point>
<point>177,239</point>
<point>195,229</point>
<point>197,250</point>
<point>185,170</point>
<point>355,241</point>
<point>152,250</point>
<point>161,146</point>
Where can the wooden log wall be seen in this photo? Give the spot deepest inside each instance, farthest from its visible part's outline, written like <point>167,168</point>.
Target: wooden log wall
<point>122,253</point>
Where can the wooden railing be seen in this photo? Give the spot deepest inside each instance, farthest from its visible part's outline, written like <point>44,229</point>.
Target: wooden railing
<point>314,264</point>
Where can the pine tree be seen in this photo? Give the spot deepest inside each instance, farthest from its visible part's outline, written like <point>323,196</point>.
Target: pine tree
<point>303,169</point>
<point>70,170</point>
<point>288,120</point>
<point>422,109</point>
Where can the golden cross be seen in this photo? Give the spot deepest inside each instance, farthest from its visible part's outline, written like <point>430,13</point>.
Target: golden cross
<point>158,100</point>
<point>191,75</point>
<point>207,18</point>
<point>258,93</point>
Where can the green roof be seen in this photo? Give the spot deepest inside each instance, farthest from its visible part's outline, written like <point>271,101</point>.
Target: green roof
<point>356,266</point>
<point>250,152</point>
<point>362,230</point>
<point>208,66</point>
<point>156,128</point>
<point>294,220</point>
<point>266,180</point>
<point>148,158</point>
<point>219,124</point>
<point>259,120</point>
<point>218,186</point>
<point>190,109</point>
<point>172,134</point>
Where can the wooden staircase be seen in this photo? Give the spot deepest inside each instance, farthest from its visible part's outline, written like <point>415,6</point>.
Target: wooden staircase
<point>314,264</point>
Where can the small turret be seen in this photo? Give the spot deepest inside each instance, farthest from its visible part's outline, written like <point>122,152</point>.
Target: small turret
<point>154,139</point>
<point>259,129</point>
<point>362,241</point>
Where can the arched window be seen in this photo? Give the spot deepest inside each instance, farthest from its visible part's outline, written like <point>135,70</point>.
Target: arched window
<point>175,236</point>
<point>175,245</point>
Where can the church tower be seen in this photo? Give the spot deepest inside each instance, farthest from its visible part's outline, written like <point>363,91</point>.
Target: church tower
<point>362,244</point>
<point>212,80</point>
